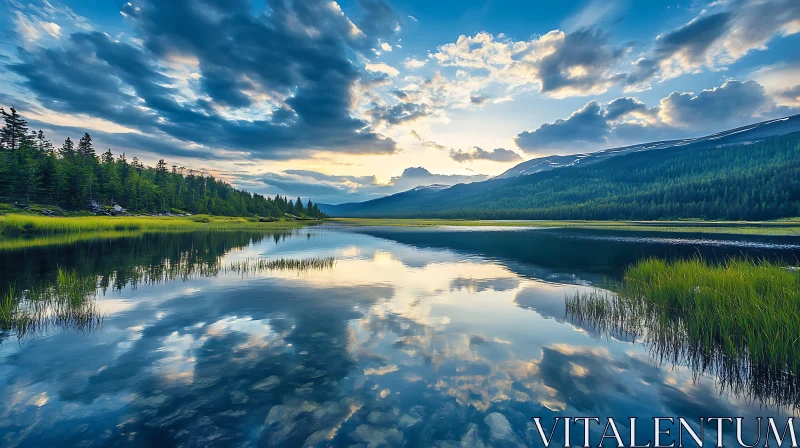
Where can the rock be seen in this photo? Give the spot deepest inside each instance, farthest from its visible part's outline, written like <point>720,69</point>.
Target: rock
<point>471,438</point>
<point>500,430</point>
<point>266,384</point>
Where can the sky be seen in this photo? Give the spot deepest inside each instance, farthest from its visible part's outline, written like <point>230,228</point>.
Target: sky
<point>357,99</point>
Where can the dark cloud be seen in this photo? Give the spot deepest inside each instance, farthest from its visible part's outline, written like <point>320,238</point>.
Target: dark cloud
<point>495,155</point>
<point>690,41</point>
<point>399,113</point>
<point>732,103</point>
<point>627,120</point>
<point>379,20</point>
<point>299,55</point>
<point>586,125</point>
<point>791,94</point>
<point>623,106</point>
<point>156,146</point>
<point>478,100</point>
<point>580,65</point>
<point>717,38</point>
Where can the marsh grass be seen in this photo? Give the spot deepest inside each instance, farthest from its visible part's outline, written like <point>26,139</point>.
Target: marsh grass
<point>15,225</point>
<point>254,266</point>
<point>739,320</point>
<point>69,302</point>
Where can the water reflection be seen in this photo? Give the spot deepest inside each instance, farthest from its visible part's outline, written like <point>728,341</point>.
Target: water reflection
<point>399,343</point>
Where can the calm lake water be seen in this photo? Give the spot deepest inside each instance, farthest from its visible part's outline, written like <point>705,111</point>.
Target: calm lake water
<point>413,337</point>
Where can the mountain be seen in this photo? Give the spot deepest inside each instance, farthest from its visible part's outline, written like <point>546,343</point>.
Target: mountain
<point>743,173</point>
<point>748,133</point>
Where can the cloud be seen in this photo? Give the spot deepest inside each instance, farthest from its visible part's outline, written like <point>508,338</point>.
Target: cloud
<point>276,86</point>
<point>623,106</point>
<point>582,61</point>
<point>326,188</point>
<point>428,143</point>
<point>475,153</point>
<point>791,94</point>
<point>715,39</point>
<point>558,64</point>
<point>495,155</point>
<point>382,67</point>
<point>586,125</point>
<point>413,64</point>
<point>400,113</point>
<point>627,120</point>
<point>733,102</point>
<point>580,65</point>
<point>781,83</point>
<point>592,13</point>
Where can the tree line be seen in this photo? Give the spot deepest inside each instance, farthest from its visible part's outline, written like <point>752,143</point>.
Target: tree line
<point>73,176</point>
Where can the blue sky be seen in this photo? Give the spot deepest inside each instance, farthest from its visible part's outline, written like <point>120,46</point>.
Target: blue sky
<point>358,99</point>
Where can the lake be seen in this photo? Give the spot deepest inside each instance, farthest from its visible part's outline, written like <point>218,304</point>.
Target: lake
<point>393,337</point>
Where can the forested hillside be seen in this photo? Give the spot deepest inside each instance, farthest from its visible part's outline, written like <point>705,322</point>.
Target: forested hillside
<point>755,181</point>
<point>33,170</point>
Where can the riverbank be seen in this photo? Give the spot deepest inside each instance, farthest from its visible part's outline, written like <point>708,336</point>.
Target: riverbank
<point>782,227</point>
<point>27,225</point>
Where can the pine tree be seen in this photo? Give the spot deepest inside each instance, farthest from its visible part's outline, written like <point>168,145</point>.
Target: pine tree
<point>15,130</point>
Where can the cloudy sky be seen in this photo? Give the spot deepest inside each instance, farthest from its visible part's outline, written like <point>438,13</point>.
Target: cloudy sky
<point>358,99</point>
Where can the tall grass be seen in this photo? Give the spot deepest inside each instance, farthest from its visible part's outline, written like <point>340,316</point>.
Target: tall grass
<point>739,319</point>
<point>69,302</point>
<point>13,225</point>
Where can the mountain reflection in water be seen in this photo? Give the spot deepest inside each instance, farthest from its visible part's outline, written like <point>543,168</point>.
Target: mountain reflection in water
<point>411,338</point>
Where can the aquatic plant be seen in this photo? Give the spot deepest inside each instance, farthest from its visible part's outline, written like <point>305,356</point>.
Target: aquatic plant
<point>69,302</point>
<point>258,265</point>
<point>739,320</point>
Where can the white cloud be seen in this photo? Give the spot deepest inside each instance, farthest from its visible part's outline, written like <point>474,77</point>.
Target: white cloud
<point>382,67</point>
<point>413,64</point>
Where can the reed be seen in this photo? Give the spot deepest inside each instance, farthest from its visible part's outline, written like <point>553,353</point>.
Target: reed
<point>739,319</point>
<point>259,265</point>
<point>69,302</point>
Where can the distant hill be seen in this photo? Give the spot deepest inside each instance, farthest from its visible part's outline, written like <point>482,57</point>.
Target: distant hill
<point>745,173</point>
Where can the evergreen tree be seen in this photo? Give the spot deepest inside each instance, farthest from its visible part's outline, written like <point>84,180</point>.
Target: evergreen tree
<point>32,170</point>
<point>15,130</point>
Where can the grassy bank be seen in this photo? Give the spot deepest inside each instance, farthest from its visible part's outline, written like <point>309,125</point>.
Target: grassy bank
<point>18,225</point>
<point>735,319</point>
<point>781,227</point>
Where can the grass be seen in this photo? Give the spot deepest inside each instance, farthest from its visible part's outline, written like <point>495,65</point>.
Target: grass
<point>69,302</point>
<point>739,320</point>
<point>17,225</point>
<point>780,227</point>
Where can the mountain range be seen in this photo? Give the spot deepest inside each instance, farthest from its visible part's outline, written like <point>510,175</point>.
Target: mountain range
<point>645,181</point>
